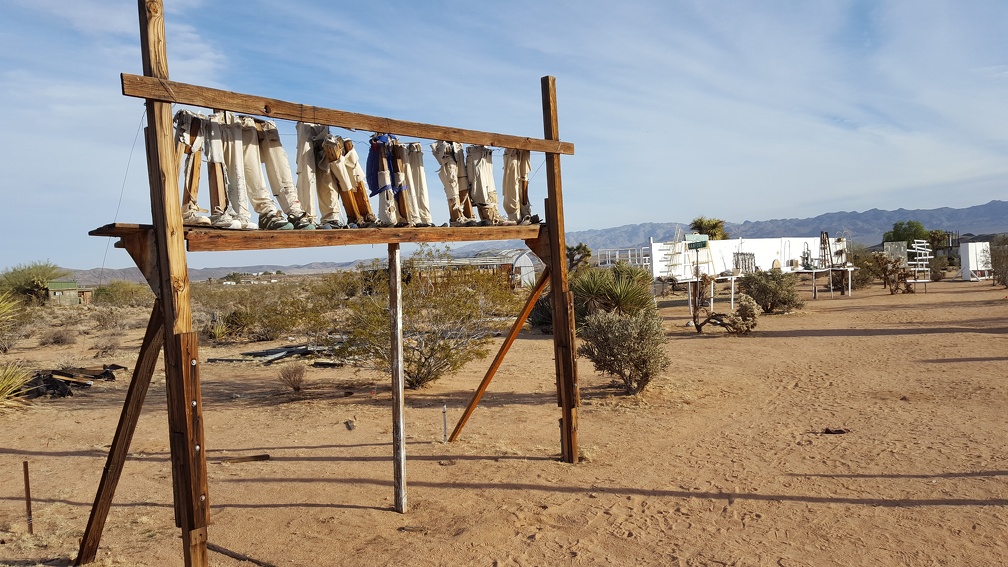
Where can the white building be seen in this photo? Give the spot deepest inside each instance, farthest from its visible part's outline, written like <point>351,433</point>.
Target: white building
<point>744,254</point>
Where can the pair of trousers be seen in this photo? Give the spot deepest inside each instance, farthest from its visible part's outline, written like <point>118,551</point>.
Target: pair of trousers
<point>250,145</point>
<point>479,168</point>
<point>387,179</point>
<point>516,172</point>
<point>410,160</point>
<point>344,170</point>
<point>314,176</point>
<point>189,143</point>
<point>451,172</point>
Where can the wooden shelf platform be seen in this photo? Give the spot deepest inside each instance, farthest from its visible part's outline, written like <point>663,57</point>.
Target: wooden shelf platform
<point>217,240</point>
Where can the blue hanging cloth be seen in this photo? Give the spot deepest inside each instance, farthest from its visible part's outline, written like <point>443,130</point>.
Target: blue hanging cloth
<point>381,167</point>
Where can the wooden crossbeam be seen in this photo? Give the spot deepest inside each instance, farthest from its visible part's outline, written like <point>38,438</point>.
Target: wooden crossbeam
<point>212,240</point>
<point>163,90</point>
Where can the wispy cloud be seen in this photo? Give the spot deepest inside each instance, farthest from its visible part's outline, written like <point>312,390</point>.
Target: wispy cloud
<point>731,108</point>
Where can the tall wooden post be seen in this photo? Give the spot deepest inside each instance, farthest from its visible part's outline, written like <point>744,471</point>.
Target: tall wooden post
<point>398,419</point>
<point>181,360</point>
<point>562,299</point>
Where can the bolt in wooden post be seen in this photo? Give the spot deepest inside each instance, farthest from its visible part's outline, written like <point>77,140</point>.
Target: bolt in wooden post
<point>27,498</point>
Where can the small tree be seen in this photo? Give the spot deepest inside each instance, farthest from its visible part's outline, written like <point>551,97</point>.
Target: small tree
<point>773,290</point>
<point>578,256</point>
<point>713,228</point>
<point>628,346</point>
<point>31,281</point>
<point>906,232</point>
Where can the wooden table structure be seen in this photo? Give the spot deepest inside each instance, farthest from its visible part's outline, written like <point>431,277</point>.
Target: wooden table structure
<point>159,250</point>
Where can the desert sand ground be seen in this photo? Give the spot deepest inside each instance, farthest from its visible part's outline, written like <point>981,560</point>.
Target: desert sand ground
<point>723,461</point>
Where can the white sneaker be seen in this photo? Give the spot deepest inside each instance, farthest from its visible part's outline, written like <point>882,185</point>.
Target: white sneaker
<point>223,219</point>
<point>247,224</point>
<point>191,217</point>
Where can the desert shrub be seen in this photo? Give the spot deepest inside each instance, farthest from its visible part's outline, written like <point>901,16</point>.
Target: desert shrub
<point>58,337</point>
<point>999,259</point>
<point>106,347</point>
<point>217,330</point>
<point>773,290</point>
<point>13,377</point>
<point>241,319</point>
<point>292,375</point>
<point>627,346</point>
<point>109,318</point>
<point>938,266</point>
<point>285,316</point>
<point>864,275</point>
<point>121,293</point>
<point>541,316</point>
<point>30,281</point>
<point>446,317</point>
<point>332,290</point>
<point>743,320</point>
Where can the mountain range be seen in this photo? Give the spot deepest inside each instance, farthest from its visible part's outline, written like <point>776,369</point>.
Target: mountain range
<point>864,227</point>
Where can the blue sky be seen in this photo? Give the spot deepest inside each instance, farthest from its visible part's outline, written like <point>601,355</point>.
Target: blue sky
<point>733,109</point>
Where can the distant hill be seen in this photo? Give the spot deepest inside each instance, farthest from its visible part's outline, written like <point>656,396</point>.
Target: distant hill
<point>866,228</point>
<point>95,276</point>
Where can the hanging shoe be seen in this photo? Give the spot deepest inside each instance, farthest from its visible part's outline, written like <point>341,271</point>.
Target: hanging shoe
<point>275,221</point>
<point>191,217</point>
<point>224,219</point>
<point>301,222</point>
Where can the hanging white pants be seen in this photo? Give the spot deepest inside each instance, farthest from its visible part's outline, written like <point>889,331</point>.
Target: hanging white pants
<point>314,175</point>
<point>418,185</point>
<point>516,172</point>
<point>479,168</point>
<point>278,171</point>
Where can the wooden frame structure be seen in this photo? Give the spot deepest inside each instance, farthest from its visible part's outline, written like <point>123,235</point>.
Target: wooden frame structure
<point>159,250</point>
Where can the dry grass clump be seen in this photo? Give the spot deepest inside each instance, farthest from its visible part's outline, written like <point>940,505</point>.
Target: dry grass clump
<point>13,377</point>
<point>58,337</point>
<point>292,375</point>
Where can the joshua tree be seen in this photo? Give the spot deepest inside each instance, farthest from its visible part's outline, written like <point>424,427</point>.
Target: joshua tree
<point>714,228</point>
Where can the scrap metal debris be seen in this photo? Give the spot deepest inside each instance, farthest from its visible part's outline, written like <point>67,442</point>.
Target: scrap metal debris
<point>271,355</point>
<point>59,383</point>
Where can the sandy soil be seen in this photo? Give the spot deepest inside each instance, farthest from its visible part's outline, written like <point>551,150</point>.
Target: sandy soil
<point>722,462</point>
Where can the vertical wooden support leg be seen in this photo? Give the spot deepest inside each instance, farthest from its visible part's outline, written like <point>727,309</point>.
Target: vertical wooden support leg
<point>398,420</point>
<point>142,372</point>
<point>562,299</point>
<point>505,346</point>
<point>181,366</point>
<point>185,427</point>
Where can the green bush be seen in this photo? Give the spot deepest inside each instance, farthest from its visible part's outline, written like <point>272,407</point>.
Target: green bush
<point>627,346</point>
<point>121,293</point>
<point>773,290</point>
<point>743,320</point>
<point>447,317</point>
<point>623,288</point>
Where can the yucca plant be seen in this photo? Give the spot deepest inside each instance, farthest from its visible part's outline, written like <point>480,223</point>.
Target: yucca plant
<point>13,377</point>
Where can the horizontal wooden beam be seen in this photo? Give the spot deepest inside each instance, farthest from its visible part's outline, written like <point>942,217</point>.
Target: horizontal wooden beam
<point>151,88</point>
<point>216,240</point>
